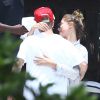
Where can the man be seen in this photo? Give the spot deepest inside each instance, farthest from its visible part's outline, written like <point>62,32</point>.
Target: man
<point>15,29</point>
<point>11,11</point>
<point>49,44</point>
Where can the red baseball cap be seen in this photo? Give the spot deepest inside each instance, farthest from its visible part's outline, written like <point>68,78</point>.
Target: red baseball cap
<point>42,12</point>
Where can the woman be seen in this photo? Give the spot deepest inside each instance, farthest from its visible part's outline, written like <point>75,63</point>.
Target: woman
<point>72,29</point>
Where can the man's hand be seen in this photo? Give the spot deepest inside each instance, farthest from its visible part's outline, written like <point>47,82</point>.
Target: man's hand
<point>18,29</point>
<point>15,29</point>
<point>18,65</point>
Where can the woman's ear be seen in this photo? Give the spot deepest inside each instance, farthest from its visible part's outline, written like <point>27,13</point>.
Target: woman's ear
<point>71,25</point>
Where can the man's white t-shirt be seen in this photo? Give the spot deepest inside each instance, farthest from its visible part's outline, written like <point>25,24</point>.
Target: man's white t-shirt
<point>54,47</point>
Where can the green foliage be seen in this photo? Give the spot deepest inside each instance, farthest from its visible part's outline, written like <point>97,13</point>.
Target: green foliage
<point>45,96</point>
<point>11,84</point>
<point>79,93</point>
<point>7,48</point>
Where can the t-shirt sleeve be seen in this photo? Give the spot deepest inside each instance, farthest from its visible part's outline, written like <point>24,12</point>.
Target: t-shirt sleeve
<point>67,71</point>
<point>23,50</point>
<point>85,55</point>
<point>73,55</point>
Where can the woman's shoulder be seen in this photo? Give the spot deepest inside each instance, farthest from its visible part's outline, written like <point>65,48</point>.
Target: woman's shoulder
<point>81,47</point>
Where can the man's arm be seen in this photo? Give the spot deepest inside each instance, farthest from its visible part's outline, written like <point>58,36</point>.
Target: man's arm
<point>15,29</point>
<point>18,65</point>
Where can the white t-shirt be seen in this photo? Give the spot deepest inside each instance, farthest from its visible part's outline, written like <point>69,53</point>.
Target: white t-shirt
<point>72,73</point>
<point>82,49</point>
<point>28,22</point>
<point>58,49</point>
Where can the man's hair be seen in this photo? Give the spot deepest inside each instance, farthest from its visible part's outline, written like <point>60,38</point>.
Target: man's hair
<point>47,21</point>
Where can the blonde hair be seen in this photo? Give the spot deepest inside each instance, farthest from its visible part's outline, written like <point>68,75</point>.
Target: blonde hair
<point>77,18</point>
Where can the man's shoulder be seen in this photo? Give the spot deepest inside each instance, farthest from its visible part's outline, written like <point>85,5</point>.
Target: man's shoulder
<point>29,38</point>
<point>57,36</point>
<point>61,39</point>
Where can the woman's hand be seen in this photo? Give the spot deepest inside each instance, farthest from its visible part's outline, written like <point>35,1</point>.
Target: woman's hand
<point>41,26</point>
<point>45,61</point>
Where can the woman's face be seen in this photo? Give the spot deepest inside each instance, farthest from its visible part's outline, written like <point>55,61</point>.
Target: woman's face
<point>64,28</point>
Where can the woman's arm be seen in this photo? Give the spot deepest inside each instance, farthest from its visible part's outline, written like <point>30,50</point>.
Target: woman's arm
<point>45,61</point>
<point>61,69</point>
<point>41,26</point>
<point>83,69</point>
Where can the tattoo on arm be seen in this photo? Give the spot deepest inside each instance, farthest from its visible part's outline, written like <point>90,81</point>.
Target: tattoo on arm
<point>18,65</point>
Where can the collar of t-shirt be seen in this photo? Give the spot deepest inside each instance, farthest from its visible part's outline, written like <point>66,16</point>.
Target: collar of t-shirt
<point>76,42</point>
